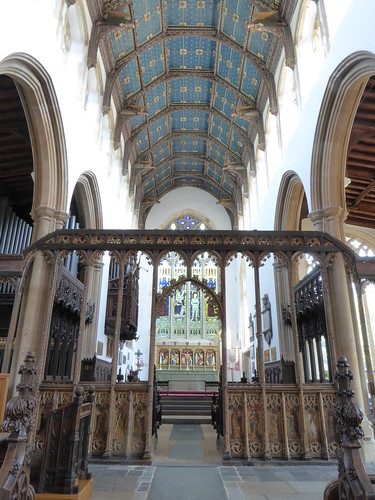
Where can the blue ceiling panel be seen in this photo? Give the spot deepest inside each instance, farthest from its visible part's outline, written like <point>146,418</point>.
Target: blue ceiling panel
<point>142,142</point>
<point>214,173</point>
<point>260,43</point>
<point>149,183</point>
<point>191,53</point>
<point>136,121</point>
<point>166,185</point>
<point>192,12</point>
<point>187,60</point>
<point>241,122</point>
<point>129,78</point>
<point>148,22</point>
<point>155,100</point>
<point>193,90</point>
<point>236,15</point>
<point>236,143</point>
<point>228,184</point>
<point>189,145</point>
<point>217,153</point>
<point>152,63</point>
<point>190,119</point>
<point>224,100</point>
<point>212,187</point>
<point>229,66</point>
<point>161,153</point>
<point>250,80</point>
<point>122,43</point>
<point>158,130</point>
<point>220,130</point>
<point>188,164</point>
<point>163,173</point>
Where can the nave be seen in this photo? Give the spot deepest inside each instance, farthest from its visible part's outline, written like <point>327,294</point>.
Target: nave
<point>187,465</point>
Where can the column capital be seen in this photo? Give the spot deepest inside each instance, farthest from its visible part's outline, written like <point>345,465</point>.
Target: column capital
<point>330,220</point>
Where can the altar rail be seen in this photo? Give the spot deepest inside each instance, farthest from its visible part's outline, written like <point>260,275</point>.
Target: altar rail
<point>121,432</point>
<point>286,431</point>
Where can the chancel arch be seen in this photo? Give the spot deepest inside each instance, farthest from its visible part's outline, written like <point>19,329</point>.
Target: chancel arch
<point>48,211</point>
<point>47,140</point>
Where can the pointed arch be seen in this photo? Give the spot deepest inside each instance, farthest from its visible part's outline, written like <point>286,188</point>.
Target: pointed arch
<point>289,203</point>
<point>47,138</point>
<point>337,112</point>
<point>89,202</point>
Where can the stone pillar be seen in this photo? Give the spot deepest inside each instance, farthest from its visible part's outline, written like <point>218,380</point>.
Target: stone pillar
<point>30,330</point>
<point>369,327</point>
<point>331,220</point>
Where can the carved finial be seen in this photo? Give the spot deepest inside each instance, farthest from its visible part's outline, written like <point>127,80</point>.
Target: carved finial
<point>349,416</point>
<point>79,390</point>
<point>20,410</point>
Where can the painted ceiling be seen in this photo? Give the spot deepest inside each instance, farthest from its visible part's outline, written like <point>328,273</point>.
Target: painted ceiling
<point>189,80</point>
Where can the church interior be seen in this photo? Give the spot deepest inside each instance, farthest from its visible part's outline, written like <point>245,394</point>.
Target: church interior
<point>187,213</point>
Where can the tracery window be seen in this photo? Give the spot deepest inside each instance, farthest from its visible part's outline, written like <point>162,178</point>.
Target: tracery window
<point>190,312</point>
<point>188,222</point>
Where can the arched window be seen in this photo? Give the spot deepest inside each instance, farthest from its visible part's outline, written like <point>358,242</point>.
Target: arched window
<point>188,221</point>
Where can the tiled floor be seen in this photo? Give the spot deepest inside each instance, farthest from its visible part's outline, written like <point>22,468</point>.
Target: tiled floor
<point>187,465</point>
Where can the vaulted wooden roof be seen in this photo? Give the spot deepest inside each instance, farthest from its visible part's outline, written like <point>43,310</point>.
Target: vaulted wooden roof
<point>190,78</point>
<point>360,166</point>
<point>16,160</point>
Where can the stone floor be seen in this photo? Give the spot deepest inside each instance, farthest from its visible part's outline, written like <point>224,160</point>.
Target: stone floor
<point>187,465</point>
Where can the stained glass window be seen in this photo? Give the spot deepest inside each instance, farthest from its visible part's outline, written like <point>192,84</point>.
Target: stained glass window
<point>188,222</point>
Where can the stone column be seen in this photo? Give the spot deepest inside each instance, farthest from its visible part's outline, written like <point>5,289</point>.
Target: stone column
<point>30,330</point>
<point>369,327</point>
<point>331,220</point>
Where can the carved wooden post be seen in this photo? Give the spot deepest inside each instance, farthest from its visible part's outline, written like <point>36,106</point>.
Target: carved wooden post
<point>19,420</point>
<point>285,428</point>
<point>151,372</point>
<point>82,320</point>
<point>260,362</point>
<point>293,317</point>
<point>12,326</point>
<point>353,481</point>
<point>224,372</point>
<point>112,404</point>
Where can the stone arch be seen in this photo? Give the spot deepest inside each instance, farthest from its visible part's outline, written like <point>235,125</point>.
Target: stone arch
<point>337,112</point>
<point>88,199</point>
<point>289,203</point>
<point>47,140</point>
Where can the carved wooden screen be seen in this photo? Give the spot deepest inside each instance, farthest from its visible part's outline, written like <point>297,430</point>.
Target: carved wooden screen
<point>312,329</point>
<point>129,313</point>
<point>65,327</point>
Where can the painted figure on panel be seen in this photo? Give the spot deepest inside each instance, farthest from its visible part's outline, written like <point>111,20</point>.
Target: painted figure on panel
<point>175,358</point>
<point>163,357</point>
<point>236,424</point>
<point>254,426</point>
<point>198,358</point>
<point>138,423</point>
<point>210,357</point>
<point>274,427</point>
<point>293,427</point>
<point>100,427</point>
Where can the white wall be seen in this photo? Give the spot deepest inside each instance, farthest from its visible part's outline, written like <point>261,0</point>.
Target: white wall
<point>188,198</point>
<point>355,33</point>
